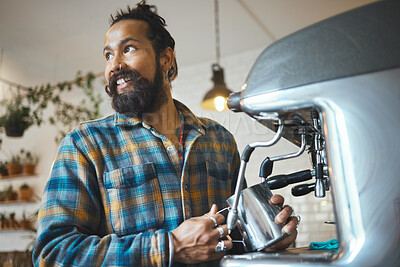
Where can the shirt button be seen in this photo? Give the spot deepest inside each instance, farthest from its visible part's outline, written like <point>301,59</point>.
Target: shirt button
<point>169,148</point>
<point>186,187</point>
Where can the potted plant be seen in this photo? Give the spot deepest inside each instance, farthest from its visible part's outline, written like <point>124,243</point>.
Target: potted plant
<point>14,165</point>
<point>3,168</point>
<point>3,221</point>
<point>25,192</point>
<point>27,109</point>
<point>11,194</point>
<point>26,224</point>
<point>17,117</point>
<point>14,224</point>
<point>32,219</point>
<point>3,195</point>
<point>29,161</point>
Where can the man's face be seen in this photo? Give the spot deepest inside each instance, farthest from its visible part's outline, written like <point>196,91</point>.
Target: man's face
<point>132,72</point>
<point>126,46</point>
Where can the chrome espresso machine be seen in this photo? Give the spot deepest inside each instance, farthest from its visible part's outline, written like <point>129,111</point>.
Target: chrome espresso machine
<point>333,89</point>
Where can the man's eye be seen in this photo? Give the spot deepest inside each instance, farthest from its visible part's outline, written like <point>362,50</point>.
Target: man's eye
<point>129,48</point>
<point>108,56</point>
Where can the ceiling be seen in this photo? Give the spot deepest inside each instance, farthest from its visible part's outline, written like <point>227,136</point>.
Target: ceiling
<point>50,40</point>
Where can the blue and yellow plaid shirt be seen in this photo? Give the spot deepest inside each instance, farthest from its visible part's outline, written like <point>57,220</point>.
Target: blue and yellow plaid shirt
<point>117,187</point>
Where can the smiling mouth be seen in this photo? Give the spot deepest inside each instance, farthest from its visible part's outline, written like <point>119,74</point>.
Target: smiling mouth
<point>122,83</point>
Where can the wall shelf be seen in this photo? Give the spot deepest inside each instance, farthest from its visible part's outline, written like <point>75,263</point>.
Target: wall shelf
<point>11,231</point>
<point>17,202</point>
<point>18,176</point>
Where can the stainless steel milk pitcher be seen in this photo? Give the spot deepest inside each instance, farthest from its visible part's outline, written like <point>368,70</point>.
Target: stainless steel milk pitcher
<point>256,218</point>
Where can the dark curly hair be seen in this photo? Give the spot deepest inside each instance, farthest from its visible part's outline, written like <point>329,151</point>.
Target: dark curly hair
<point>157,34</point>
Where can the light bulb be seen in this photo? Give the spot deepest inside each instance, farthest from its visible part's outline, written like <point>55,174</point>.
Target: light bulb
<point>219,103</point>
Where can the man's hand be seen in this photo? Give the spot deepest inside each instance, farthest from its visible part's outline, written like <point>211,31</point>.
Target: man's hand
<point>196,238</point>
<point>282,217</point>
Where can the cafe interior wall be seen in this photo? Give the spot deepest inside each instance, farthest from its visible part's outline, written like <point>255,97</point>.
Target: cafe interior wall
<point>192,83</point>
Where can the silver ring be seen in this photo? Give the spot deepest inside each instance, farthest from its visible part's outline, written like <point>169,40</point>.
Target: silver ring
<point>220,247</point>
<point>298,221</point>
<point>214,220</point>
<point>221,231</point>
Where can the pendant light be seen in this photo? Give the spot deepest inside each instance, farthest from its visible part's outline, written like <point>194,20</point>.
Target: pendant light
<point>217,96</point>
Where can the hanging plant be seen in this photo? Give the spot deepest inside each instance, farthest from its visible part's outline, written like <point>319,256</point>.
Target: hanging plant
<point>67,115</point>
<point>20,116</point>
<point>17,117</point>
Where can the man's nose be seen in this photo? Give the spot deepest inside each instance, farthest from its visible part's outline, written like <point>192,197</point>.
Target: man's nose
<point>117,66</point>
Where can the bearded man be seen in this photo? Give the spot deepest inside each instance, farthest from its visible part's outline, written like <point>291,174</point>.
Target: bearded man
<point>141,187</point>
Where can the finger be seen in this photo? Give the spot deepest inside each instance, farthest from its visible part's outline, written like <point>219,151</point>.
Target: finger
<point>276,200</point>
<point>213,209</point>
<point>215,220</point>
<point>290,227</point>
<point>284,214</point>
<point>220,231</point>
<point>211,220</point>
<point>219,218</point>
<point>228,245</point>
<point>290,208</point>
<point>284,243</point>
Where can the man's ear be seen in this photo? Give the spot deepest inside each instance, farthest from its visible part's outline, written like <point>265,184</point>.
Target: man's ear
<point>167,59</point>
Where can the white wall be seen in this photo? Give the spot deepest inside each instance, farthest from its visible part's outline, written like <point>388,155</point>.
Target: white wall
<point>190,87</point>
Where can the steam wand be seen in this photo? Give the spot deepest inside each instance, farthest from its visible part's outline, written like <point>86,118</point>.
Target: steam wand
<point>267,164</point>
<point>233,213</point>
<point>319,189</point>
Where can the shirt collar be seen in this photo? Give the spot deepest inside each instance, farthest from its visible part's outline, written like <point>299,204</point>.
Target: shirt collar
<point>124,120</point>
<point>190,118</point>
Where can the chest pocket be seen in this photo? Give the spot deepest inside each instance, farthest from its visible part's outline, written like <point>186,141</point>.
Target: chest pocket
<point>219,182</point>
<point>134,198</point>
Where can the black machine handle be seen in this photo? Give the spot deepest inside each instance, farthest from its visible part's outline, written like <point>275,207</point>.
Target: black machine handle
<point>302,189</point>
<point>280,181</point>
<point>266,168</point>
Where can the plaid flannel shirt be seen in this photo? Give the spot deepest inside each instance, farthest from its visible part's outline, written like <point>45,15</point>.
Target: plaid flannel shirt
<point>117,187</point>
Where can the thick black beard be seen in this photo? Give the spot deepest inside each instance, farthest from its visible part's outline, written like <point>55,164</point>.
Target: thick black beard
<point>146,96</point>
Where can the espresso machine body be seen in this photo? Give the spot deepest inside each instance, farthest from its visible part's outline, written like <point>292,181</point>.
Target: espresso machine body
<point>346,72</point>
